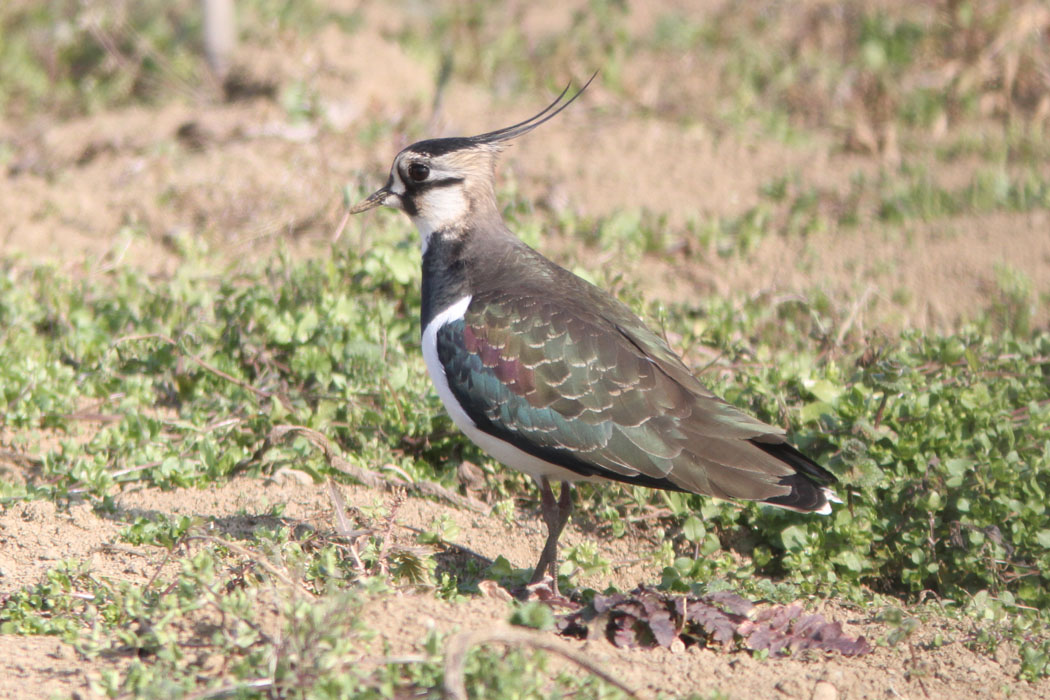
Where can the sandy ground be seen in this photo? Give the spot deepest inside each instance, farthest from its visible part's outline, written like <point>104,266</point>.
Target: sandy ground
<point>35,536</point>
<point>123,187</point>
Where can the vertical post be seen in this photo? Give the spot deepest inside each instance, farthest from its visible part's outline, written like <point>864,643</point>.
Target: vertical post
<point>220,35</point>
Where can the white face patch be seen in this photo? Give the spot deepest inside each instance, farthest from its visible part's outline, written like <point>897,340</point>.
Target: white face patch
<point>398,187</point>
<point>439,207</point>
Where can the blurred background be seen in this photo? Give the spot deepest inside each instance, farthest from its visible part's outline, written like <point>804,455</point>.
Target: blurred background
<point>890,152</point>
<point>838,212</point>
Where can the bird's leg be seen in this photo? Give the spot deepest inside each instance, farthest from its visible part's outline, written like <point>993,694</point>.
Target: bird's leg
<point>555,514</point>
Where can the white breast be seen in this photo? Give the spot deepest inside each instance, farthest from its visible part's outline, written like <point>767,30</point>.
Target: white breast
<point>503,451</point>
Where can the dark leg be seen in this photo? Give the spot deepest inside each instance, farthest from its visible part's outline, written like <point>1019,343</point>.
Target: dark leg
<point>555,514</point>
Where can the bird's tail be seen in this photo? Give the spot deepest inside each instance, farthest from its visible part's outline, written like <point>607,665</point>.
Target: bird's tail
<point>809,484</point>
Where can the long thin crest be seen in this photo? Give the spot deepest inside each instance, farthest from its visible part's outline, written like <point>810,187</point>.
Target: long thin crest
<point>524,127</point>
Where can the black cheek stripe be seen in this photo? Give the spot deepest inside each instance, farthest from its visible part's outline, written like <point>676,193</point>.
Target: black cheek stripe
<point>447,182</point>
<point>408,204</point>
<point>414,189</point>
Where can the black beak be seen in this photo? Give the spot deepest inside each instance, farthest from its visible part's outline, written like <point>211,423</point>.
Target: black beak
<point>374,200</point>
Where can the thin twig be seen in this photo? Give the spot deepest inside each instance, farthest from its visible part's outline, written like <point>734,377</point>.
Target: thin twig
<point>462,549</point>
<point>397,470</point>
<point>234,688</point>
<point>156,572</point>
<point>368,477</point>
<point>123,549</point>
<point>341,227</point>
<point>458,646</point>
<point>384,660</point>
<point>851,318</point>
<point>262,393</point>
<point>343,525</point>
<point>172,79</point>
<point>93,417</point>
<point>257,558</point>
<point>130,470</point>
<point>882,408</point>
<point>20,459</point>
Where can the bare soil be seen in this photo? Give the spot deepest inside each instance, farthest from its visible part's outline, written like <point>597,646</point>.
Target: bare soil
<point>35,536</point>
<point>123,188</point>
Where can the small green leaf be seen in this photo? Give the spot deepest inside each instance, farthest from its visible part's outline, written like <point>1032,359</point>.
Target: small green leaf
<point>536,615</point>
<point>693,529</point>
<point>823,389</point>
<point>794,537</point>
<point>814,410</point>
<point>1043,538</point>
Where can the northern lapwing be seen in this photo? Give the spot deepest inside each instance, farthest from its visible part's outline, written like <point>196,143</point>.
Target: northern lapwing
<point>554,377</point>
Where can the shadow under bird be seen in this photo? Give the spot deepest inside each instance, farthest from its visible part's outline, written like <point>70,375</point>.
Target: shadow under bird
<point>554,377</point>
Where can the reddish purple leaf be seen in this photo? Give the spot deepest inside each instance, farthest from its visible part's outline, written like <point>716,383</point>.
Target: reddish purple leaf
<point>659,620</point>
<point>604,603</point>
<point>645,617</point>
<point>730,602</point>
<point>624,635</point>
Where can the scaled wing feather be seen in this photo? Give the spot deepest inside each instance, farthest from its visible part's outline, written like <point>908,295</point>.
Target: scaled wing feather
<point>602,398</point>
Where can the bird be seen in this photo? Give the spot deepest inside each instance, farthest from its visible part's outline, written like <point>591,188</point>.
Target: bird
<point>551,375</point>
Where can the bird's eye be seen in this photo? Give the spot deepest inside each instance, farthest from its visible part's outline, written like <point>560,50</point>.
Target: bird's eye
<point>418,172</point>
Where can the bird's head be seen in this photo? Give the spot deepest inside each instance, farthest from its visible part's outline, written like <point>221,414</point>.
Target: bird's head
<point>442,183</point>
